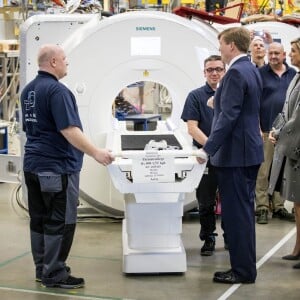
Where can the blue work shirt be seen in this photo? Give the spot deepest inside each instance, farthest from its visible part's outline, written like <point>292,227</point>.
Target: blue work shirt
<point>195,108</point>
<point>273,96</point>
<point>48,107</point>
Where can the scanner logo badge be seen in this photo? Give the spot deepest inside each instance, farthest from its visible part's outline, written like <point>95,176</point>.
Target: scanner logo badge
<point>145,28</point>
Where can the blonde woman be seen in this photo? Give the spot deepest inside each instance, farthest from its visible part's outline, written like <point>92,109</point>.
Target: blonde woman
<point>285,173</point>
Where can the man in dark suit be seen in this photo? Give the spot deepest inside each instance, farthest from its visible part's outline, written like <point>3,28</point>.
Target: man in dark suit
<point>235,147</point>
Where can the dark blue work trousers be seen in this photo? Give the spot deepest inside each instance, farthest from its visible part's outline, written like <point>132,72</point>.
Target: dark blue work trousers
<point>52,202</point>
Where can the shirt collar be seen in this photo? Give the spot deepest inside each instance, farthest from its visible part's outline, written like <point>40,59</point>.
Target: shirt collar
<point>44,73</point>
<point>235,59</point>
<point>208,88</point>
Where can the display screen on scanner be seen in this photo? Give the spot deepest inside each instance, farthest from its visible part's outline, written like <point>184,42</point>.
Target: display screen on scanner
<point>138,142</point>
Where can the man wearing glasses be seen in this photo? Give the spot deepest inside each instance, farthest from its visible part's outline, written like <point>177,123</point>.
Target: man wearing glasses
<point>199,120</point>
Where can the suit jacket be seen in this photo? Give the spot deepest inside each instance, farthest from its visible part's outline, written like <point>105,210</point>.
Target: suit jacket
<point>235,139</point>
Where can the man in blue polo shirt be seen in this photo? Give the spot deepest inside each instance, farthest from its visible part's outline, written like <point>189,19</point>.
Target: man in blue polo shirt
<point>52,161</point>
<point>276,76</point>
<point>199,119</point>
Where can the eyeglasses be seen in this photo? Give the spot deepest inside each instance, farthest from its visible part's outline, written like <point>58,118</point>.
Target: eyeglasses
<point>211,70</point>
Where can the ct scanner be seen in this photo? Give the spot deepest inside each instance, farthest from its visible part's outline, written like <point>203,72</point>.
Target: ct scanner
<point>102,63</point>
<point>108,60</point>
<point>106,55</point>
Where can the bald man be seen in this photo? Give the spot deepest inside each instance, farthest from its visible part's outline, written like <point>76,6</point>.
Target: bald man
<point>52,162</point>
<point>276,76</point>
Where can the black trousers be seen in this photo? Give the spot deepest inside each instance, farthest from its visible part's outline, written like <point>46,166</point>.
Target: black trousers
<point>206,196</point>
<point>52,202</point>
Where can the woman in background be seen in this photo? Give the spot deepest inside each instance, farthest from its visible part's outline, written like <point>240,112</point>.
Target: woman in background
<point>285,173</point>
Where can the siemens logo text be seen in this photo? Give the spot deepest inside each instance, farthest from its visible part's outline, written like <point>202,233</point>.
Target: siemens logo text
<point>142,28</point>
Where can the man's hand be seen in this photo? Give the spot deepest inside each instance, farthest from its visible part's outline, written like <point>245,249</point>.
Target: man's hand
<point>272,136</point>
<point>202,157</point>
<point>268,37</point>
<point>210,102</point>
<point>104,157</point>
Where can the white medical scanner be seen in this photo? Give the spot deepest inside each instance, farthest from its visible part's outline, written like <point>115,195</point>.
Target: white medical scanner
<point>106,55</point>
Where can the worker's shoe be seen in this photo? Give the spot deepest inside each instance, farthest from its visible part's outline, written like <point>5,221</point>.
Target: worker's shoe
<point>38,277</point>
<point>208,247</point>
<point>69,283</point>
<point>262,216</point>
<point>283,214</point>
